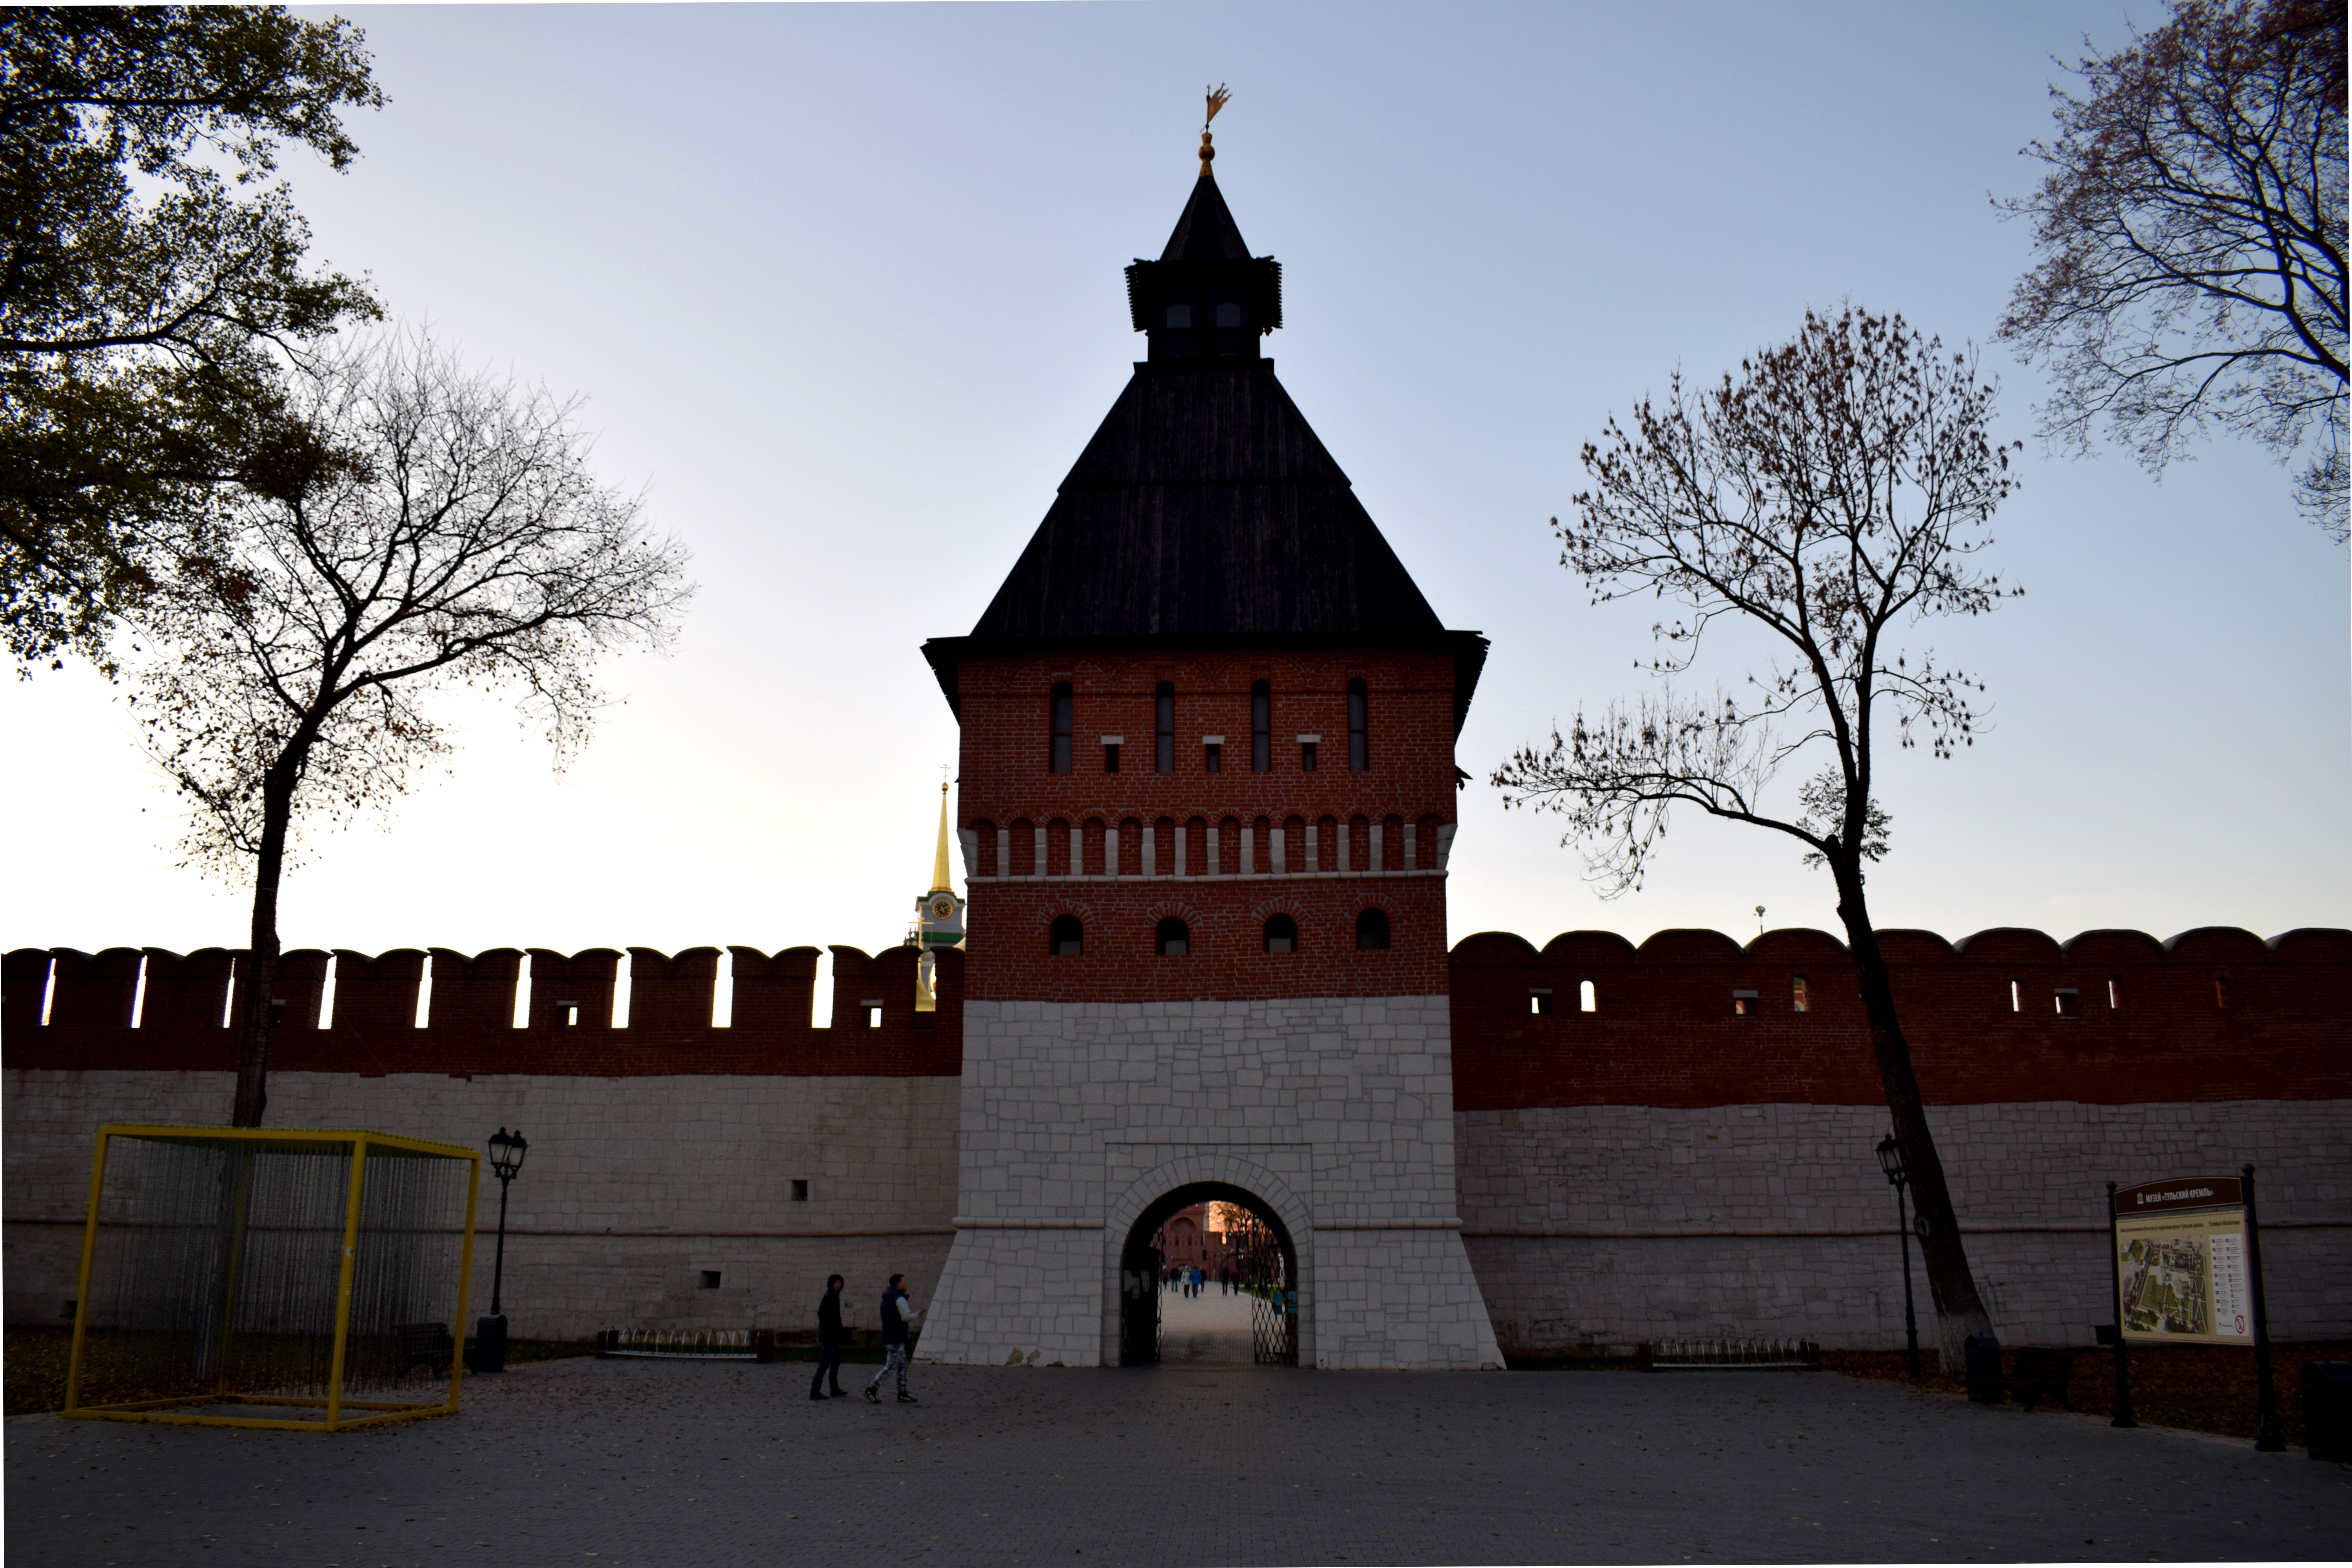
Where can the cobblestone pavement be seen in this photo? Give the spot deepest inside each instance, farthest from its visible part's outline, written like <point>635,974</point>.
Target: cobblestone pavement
<point>593,1464</point>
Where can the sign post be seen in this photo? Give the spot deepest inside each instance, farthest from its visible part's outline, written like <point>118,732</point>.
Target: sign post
<point>2267,1439</point>
<point>2188,1264</point>
<point>2123,1355</point>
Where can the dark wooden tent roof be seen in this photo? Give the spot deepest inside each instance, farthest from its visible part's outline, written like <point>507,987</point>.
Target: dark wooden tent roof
<point>1205,511</point>
<point>1206,231</point>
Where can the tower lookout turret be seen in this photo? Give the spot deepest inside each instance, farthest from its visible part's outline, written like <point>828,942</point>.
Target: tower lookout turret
<point>1207,802</point>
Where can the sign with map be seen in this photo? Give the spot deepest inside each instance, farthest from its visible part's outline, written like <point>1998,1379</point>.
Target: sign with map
<point>2180,1262</point>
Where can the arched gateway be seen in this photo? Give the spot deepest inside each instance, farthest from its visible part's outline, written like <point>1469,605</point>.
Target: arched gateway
<point>1207,801</point>
<point>1256,1257</point>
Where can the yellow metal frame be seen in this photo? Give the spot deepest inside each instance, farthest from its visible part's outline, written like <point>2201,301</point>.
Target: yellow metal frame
<point>183,1411</point>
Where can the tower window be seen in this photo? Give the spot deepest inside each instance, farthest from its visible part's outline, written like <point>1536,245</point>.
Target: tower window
<point>1261,727</point>
<point>1110,756</point>
<point>1539,1001</point>
<point>1229,315</point>
<point>1306,756</point>
<point>1800,994</point>
<point>1164,714</point>
<point>1174,939</point>
<point>1281,934</point>
<point>1179,316</point>
<point>1360,749</point>
<point>710,1278</point>
<point>2070,1002</point>
<point>1213,756</point>
<point>800,1189</point>
<point>1065,938</point>
<point>1588,999</point>
<point>1743,1002</point>
<point>1373,931</point>
<point>1060,759</point>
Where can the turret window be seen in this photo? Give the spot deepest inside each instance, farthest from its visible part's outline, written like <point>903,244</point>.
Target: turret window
<point>1373,931</point>
<point>1067,938</point>
<point>1163,709</point>
<point>1281,934</point>
<point>1179,316</point>
<point>1059,760</point>
<point>1229,315</point>
<point>1174,939</point>
<point>1360,749</point>
<point>1261,727</point>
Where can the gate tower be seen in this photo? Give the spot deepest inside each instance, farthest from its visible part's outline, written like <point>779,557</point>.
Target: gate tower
<point>1208,797</point>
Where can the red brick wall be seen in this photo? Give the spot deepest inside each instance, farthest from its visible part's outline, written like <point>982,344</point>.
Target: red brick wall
<point>1665,1032</point>
<point>470,1028</point>
<point>1006,783</point>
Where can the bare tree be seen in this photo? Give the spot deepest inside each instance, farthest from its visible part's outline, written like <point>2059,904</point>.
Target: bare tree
<point>415,527</point>
<point>2189,241</point>
<point>1835,490</point>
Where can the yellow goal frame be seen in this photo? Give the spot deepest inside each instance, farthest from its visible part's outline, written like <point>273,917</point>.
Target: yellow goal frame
<point>187,1410</point>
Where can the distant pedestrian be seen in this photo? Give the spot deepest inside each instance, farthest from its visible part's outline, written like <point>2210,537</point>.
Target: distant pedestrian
<point>830,1337</point>
<point>898,1315</point>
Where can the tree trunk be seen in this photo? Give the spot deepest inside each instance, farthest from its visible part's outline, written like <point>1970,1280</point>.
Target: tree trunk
<point>1959,1310</point>
<point>259,1012</point>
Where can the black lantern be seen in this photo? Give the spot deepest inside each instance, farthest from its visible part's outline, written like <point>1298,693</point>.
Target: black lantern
<point>1890,1160</point>
<point>506,1149</point>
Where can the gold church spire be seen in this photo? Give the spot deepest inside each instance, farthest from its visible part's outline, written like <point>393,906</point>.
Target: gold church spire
<point>939,872</point>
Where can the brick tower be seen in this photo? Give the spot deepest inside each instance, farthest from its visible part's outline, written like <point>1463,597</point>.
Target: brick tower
<point>1208,796</point>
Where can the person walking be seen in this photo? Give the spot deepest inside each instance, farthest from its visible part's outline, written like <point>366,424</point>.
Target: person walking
<point>830,1337</point>
<point>898,1315</point>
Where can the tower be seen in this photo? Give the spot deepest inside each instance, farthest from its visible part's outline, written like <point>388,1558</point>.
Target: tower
<point>1207,801</point>
<point>938,916</point>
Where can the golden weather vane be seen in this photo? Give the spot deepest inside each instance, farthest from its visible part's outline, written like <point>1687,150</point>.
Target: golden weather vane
<point>1218,99</point>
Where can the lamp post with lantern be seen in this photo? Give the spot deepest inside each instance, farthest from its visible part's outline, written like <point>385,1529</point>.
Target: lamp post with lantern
<point>1890,1160</point>
<point>506,1152</point>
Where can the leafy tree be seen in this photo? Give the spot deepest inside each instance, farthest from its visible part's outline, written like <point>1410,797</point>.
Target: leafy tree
<point>2189,241</point>
<point>153,282</point>
<point>1835,490</point>
<point>420,527</point>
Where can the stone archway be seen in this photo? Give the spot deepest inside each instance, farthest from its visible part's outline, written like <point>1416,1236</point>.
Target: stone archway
<point>1256,1286</point>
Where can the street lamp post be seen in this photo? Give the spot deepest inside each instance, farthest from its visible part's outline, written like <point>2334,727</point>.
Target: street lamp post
<point>1890,1160</point>
<point>507,1150</point>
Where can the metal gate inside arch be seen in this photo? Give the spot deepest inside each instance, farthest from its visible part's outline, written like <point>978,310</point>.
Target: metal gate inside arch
<point>1251,1256</point>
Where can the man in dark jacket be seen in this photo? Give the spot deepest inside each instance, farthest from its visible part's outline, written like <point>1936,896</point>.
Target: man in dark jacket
<point>830,1337</point>
<point>899,1314</point>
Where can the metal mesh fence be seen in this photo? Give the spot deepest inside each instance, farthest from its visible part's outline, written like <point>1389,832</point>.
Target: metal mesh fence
<point>216,1271</point>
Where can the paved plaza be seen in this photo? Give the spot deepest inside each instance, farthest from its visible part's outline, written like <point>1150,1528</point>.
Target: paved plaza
<point>617,1463</point>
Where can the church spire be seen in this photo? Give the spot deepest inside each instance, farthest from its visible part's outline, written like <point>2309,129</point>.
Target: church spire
<point>939,872</point>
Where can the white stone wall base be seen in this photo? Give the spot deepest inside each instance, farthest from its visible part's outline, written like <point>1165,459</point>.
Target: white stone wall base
<point>1403,1299</point>
<point>1333,1114</point>
<point>1019,1297</point>
<point>1774,1221</point>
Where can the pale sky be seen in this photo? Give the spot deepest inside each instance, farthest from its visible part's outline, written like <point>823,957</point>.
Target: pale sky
<point>841,285</point>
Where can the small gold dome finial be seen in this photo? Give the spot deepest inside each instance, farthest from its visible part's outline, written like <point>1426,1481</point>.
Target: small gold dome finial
<point>1218,98</point>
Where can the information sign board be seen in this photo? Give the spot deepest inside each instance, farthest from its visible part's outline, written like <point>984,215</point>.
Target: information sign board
<point>2181,1265</point>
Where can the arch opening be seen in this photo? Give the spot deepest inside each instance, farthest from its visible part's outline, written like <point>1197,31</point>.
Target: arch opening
<point>1208,1276</point>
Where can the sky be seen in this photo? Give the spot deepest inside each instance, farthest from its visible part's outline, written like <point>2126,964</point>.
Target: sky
<point>841,288</point>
